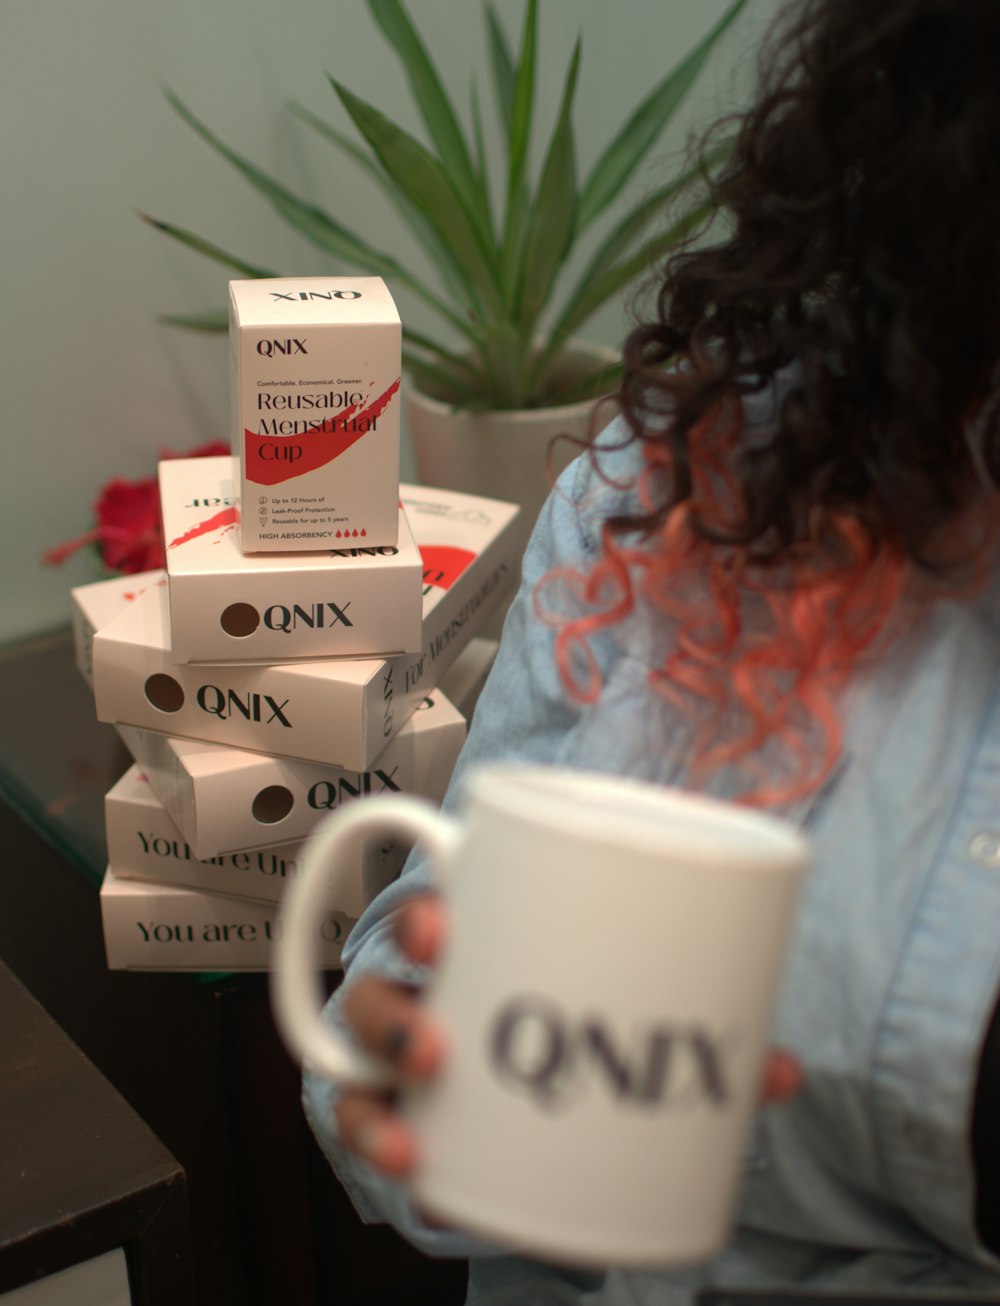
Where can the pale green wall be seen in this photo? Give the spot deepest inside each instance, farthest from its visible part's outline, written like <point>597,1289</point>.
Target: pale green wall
<point>92,385</point>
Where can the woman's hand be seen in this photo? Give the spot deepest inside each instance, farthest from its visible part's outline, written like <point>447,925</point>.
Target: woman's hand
<point>390,1024</point>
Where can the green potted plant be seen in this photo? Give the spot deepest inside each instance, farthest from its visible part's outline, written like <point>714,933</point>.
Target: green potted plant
<point>508,360</point>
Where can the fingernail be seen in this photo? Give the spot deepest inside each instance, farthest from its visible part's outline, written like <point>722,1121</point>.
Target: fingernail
<point>396,1041</point>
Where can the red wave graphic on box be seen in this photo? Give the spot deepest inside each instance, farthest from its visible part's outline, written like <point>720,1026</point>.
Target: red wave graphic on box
<point>319,447</point>
<point>130,596</point>
<point>227,517</point>
<point>444,563</point>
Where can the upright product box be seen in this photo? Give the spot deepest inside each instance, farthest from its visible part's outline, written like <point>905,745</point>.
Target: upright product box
<point>340,713</point>
<point>358,599</point>
<point>314,411</point>
<point>164,927</point>
<point>222,798</point>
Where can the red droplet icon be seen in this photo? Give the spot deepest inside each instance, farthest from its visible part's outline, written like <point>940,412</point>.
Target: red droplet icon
<point>354,532</point>
<point>363,531</point>
<point>338,535</point>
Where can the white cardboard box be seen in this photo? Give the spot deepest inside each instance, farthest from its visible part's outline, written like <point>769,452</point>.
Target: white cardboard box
<point>223,798</point>
<point>94,605</point>
<point>354,600</point>
<point>145,844</point>
<point>162,927</point>
<point>339,713</point>
<point>314,410</point>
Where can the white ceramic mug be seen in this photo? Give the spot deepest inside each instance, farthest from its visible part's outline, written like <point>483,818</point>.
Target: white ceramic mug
<point>613,953</point>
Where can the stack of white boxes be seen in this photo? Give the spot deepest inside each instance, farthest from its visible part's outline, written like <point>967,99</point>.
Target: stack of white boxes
<point>258,690</point>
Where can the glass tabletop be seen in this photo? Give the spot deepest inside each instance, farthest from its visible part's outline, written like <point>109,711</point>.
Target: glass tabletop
<point>57,761</point>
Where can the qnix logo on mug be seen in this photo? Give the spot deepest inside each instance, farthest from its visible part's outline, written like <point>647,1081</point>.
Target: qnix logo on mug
<point>555,1058</point>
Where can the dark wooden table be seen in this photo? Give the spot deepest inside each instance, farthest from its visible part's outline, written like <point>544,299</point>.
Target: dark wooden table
<point>197,1058</point>
<point>82,1174</point>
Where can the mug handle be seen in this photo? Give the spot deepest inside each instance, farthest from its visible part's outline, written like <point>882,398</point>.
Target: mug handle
<point>332,853</point>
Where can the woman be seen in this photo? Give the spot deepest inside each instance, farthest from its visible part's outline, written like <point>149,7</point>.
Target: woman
<point>775,579</point>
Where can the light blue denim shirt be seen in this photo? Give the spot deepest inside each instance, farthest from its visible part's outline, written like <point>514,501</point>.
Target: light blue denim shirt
<point>865,1180</point>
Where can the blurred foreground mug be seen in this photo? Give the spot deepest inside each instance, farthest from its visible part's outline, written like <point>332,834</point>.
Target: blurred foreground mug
<point>605,991</point>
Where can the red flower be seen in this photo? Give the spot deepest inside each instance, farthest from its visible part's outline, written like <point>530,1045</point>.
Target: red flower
<point>129,533</point>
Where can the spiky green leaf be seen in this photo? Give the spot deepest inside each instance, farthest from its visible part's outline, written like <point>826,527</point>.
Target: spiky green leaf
<point>214,321</point>
<point>502,64</point>
<point>479,141</point>
<point>433,104</point>
<point>316,225</point>
<point>522,104</point>
<point>550,228</point>
<point>504,350</point>
<point>517,207</point>
<point>445,381</point>
<point>620,159</point>
<point>415,221</point>
<point>426,184</point>
<point>214,252</point>
<point>623,236</point>
<point>495,364</point>
<point>591,296</point>
<point>464,364</point>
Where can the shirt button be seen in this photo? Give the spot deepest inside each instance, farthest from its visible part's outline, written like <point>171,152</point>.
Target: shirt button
<point>984,848</point>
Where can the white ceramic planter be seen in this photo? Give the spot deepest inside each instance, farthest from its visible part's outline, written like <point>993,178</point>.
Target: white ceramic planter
<point>500,454</point>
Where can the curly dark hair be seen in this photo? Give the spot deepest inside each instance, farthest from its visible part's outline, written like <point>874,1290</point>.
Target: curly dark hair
<point>857,284</point>
<point>863,245</point>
